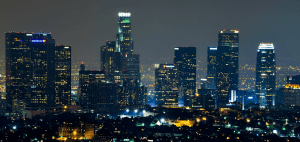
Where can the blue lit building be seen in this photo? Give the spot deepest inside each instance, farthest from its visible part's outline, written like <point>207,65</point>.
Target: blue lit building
<point>265,75</point>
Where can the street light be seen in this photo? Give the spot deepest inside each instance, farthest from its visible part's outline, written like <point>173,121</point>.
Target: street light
<point>136,111</point>
<point>144,111</point>
<point>127,110</point>
<point>162,120</point>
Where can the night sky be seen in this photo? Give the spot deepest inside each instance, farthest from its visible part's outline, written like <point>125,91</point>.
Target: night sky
<point>159,25</point>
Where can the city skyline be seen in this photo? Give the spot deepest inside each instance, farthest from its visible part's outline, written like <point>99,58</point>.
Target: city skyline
<point>190,26</point>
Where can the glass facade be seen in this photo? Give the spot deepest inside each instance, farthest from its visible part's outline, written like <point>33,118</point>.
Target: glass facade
<point>63,75</point>
<point>166,85</point>
<point>228,63</point>
<point>265,75</point>
<point>185,60</point>
<point>212,67</point>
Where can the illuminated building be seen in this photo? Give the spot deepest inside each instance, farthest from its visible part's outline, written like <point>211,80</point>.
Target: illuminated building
<point>290,94</point>
<point>212,67</point>
<point>131,79</point>
<point>124,43</point>
<point>185,60</point>
<point>107,60</point>
<point>227,65</point>
<point>166,85</point>
<point>102,96</point>
<point>63,75</point>
<point>141,97</point>
<point>30,70</point>
<point>265,75</point>
<point>81,131</point>
<point>85,78</point>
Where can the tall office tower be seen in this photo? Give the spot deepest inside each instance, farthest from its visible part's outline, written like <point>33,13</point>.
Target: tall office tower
<point>18,70</point>
<point>212,67</point>
<point>107,60</point>
<point>185,60</point>
<point>124,43</point>
<point>102,96</point>
<point>63,75</point>
<point>30,70</point>
<point>227,65</point>
<point>265,75</point>
<point>85,78</point>
<point>131,79</point>
<point>166,85</point>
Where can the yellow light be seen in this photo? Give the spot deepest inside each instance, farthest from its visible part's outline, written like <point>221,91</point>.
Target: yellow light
<point>74,132</point>
<point>204,118</point>
<point>248,120</point>
<point>228,138</point>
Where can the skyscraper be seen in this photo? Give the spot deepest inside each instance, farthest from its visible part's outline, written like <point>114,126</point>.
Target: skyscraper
<point>124,43</point>
<point>212,67</point>
<point>265,75</point>
<point>30,70</point>
<point>185,60</point>
<point>227,65</point>
<point>107,60</point>
<point>126,63</point>
<point>63,75</point>
<point>166,85</point>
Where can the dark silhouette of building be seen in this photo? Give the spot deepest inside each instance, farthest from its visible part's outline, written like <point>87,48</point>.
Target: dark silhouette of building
<point>166,85</point>
<point>265,75</point>
<point>205,99</point>
<point>185,60</point>
<point>227,65</point>
<point>63,75</point>
<point>102,97</point>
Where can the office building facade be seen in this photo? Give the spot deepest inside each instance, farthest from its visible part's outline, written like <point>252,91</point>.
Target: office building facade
<point>63,75</point>
<point>212,67</point>
<point>227,65</point>
<point>166,85</point>
<point>85,78</point>
<point>265,75</point>
<point>30,70</point>
<point>185,61</point>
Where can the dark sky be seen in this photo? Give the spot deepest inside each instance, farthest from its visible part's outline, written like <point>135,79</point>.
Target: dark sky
<point>159,25</point>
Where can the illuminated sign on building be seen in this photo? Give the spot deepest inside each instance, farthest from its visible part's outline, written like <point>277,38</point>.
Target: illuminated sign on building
<point>124,14</point>
<point>266,46</point>
<point>38,40</point>
<point>213,48</point>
